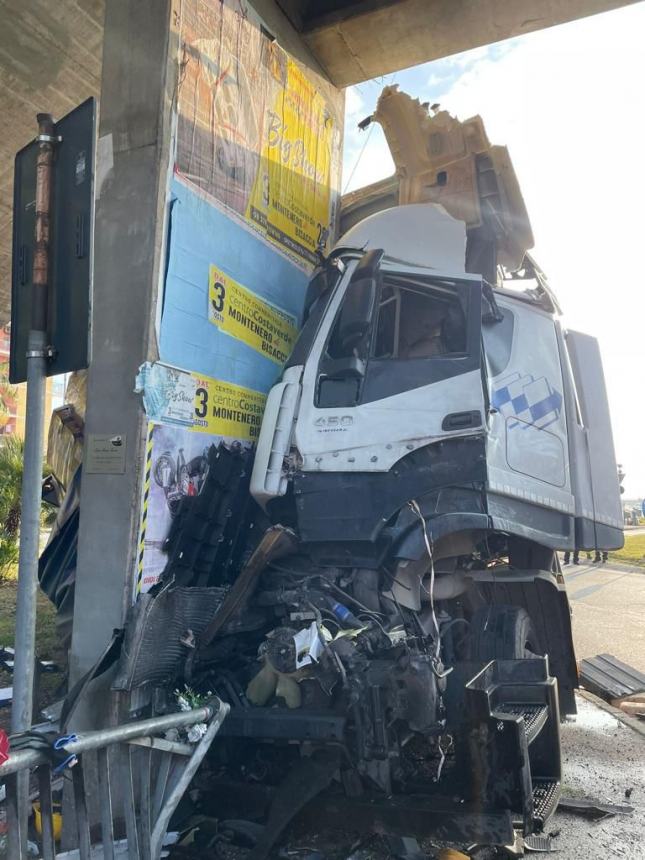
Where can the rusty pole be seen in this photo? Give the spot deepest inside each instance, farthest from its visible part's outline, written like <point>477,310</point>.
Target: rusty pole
<point>33,463</point>
<point>37,353</point>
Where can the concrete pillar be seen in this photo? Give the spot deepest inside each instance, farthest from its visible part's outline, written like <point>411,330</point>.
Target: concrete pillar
<point>138,82</point>
<point>215,224</point>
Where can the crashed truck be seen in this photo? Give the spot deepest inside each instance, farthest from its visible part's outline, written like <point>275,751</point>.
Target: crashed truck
<point>384,611</point>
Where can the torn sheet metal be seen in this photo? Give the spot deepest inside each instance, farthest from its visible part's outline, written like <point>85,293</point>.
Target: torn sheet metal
<point>593,808</point>
<point>441,159</point>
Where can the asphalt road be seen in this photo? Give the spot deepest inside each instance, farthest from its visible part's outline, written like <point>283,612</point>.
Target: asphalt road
<point>601,759</point>
<point>608,604</point>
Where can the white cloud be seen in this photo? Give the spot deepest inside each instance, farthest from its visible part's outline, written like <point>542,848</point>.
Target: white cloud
<point>436,80</point>
<point>568,104</point>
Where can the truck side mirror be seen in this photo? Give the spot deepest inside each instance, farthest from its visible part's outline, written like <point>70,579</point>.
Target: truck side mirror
<point>359,303</point>
<point>357,312</point>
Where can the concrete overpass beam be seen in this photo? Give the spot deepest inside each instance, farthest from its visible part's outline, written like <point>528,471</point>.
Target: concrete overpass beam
<point>370,39</point>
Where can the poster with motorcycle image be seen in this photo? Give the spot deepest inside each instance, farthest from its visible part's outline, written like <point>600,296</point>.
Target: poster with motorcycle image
<point>177,446</point>
<point>176,466</point>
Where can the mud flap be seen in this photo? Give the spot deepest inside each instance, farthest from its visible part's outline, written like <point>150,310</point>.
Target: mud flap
<point>545,599</point>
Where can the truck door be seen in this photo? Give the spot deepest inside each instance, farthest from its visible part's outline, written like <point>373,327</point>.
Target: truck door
<point>527,451</point>
<point>599,518</point>
<point>398,366</point>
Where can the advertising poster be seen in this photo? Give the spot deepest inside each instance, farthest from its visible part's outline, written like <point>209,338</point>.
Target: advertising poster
<point>232,302</point>
<point>244,315</point>
<point>177,447</point>
<point>257,132</point>
<point>292,197</point>
<point>252,202</point>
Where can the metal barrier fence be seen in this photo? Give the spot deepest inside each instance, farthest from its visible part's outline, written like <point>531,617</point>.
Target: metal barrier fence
<point>152,773</point>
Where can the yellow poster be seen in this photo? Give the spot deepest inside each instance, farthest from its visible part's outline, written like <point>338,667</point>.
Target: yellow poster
<point>258,132</point>
<point>224,409</point>
<point>200,403</point>
<point>245,316</point>
<point>292,192</point>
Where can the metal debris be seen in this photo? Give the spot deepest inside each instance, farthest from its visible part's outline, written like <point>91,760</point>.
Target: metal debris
<point>405,847</point>
<point>610,678</point>
<point>593,808</point>
<point>539,843</point>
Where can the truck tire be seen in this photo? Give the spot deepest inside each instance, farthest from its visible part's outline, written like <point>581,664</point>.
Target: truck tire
<point>502,633</point>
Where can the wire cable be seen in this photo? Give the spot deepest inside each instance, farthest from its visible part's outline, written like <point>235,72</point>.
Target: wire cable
<point>414,506</point>
<point>437,668</point>
<point>357,162</point>
<point>363,148</point>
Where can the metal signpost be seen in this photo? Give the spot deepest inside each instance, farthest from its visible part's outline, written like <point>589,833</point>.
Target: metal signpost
<point>36,356</point>
<point>70,246</point>
<point>50,302</point>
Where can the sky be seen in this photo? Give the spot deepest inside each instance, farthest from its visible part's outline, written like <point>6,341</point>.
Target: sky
<point>568,103</point>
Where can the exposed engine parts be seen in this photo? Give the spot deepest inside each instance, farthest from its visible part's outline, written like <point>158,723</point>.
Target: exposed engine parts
<point>332,651</point>
<point>386,669</point>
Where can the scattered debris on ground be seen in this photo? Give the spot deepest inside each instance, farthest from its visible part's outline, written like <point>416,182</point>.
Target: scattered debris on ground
<point>538,843</point>
<point>593,808</point>
<point>601,756</point>
<point>609,678</point>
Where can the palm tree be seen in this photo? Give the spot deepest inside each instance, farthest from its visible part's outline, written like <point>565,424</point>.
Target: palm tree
<point>11,464</point>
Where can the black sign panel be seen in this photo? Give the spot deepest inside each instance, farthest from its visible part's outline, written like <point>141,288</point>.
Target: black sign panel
<point>71,225</point>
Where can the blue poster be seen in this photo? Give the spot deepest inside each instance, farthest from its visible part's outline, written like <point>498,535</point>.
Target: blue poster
<point>201,236</point>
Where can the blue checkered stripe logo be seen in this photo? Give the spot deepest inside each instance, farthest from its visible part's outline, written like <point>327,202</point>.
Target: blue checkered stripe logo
<point>531,400</point>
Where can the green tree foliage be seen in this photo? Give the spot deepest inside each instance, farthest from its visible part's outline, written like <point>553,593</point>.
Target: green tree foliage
<point>11,459</point>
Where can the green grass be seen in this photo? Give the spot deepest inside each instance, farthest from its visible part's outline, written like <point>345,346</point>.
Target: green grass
<point>46,637</point>
<point>633,552</point>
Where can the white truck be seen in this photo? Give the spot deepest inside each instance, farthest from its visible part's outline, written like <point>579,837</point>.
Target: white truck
<point>435,438</point>
<point>393,636</point>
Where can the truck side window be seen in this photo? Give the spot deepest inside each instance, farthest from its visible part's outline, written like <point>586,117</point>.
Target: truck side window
<point>498,342</point>
<point>418,324</point>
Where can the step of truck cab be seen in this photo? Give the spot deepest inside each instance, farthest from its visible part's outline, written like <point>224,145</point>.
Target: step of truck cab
<point>546,796</point>
<point>534,716</point>
<point>515,703</point>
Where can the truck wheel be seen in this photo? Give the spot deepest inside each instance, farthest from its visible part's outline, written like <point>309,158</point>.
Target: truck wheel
<point>502,633</point>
